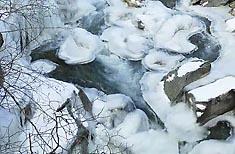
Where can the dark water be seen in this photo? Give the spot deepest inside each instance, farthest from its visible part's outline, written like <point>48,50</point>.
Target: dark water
<point>122,77</point>
<point>207,47</point>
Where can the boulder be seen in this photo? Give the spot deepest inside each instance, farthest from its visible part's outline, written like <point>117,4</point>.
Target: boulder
<point>1,76</point>
<point>215,107</point>
<point>232,4</point>
<point>221,131</point>
<point>212,100</point>
<point>176,80</point>
<point>216,3</point>
<point>133,3</point>
<point>1,40</point>
<point>169,3</point>
<point>211,3</point>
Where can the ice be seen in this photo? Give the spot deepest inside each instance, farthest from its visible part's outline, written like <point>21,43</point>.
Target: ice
<point>80,47</point>
<point>178,27</point>
<point>217,88</point>
<point>127,43</point>
<point>161,61</point>
<point>189,67</point>
<point>43,66</point>
<point>153,20</point>
<point>230,25</point>
<point>116,16</point>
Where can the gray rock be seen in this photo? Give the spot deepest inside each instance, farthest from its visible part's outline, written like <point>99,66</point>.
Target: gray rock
<point>169,3</point>
<point>232,4</point>
<point>174,84</point>
<point>1,40</point>
<point>221,131</point>
<point>195,2</point>
<point>216,3</point>
<point>215,106</point>
<point>211,3</point>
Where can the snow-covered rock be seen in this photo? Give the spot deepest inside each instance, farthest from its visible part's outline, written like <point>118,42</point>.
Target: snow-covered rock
<point>176,80</point>
<point>80,47</point>
<point>215,101</point>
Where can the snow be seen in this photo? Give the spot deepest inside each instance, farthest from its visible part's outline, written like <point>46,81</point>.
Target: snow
<point>9,124</point>
<point>160,61</point>
<point>50,94</point>
<point>200,106</point>
<point>117,101</point>
<point>126,43</point>
<point>189,67</point>
<point>139,122</point>
<point>153,141</point>
<point>80,47</point>
<point>219,147</point>
<point>230,25</point>
<point>172,116</point>
<point>112,109</point>
<point>178,27</point>
<point>151,18</point>
<point>214,89</point>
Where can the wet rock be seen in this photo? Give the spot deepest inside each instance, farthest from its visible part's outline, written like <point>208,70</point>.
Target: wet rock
<point>169,3</point>
<point>215,3</point>
<point>195,2</point>
<point>133,3</point>
<point>232,4</point>
<point>176,80</point>
<point>217,106</point>
<point>1,40</point>
<point>232,12</point>
<point>211,3</point>
<point>221,131</point>
<point>1,76</point>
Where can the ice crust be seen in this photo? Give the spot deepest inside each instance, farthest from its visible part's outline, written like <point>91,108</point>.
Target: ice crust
<point>80,47</point>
